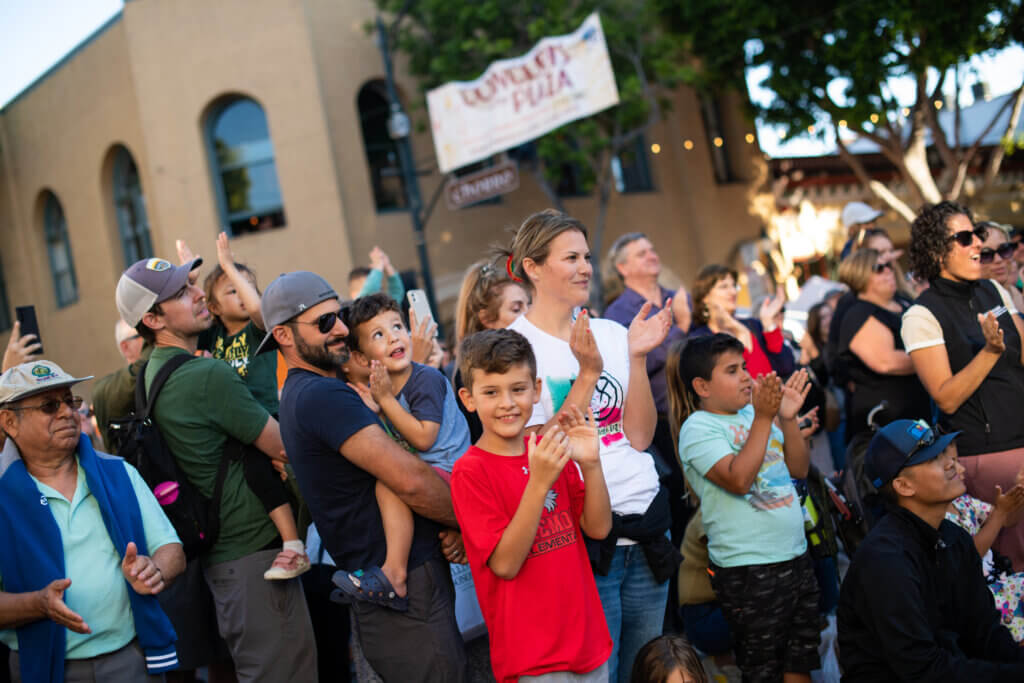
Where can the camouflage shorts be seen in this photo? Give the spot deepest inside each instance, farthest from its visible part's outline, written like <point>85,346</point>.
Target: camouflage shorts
<point>772,611</point>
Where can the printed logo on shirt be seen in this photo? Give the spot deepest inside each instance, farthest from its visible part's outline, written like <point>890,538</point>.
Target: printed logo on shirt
<point>556,530</point>
<point>236,355</point>
<point>773,487</point>
<point>550,500</point>
<point>606,403</point>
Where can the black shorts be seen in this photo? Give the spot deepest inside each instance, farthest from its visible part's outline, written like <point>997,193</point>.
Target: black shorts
<point>772,611</point>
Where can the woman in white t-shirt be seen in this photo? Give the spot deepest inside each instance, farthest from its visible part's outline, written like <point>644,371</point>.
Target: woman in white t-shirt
<point>598,363</point>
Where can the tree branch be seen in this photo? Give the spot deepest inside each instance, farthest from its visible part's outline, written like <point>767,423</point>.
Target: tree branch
<point>996,159</point>
<point>877,188</point>
<point>965,162</point>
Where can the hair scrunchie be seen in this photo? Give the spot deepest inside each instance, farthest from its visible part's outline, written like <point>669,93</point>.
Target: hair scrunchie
<point>511,273</point>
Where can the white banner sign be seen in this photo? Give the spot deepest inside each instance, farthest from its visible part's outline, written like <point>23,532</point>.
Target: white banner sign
<point>563,78</point>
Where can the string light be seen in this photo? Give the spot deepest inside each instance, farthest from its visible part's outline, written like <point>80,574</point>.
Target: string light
<point>749,138</point>
<point>688,144</point>
<point>718,142</point>
<point>655,148</point>
<point>874,118</point>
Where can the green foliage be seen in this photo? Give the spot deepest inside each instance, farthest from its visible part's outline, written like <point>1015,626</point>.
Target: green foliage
<point>808,45</point>
<point>448,41</point>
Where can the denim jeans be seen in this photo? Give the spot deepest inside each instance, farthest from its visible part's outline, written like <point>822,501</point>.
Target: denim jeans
<point>634,606</point>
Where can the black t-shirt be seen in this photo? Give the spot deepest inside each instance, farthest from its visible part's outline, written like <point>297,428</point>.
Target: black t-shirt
<point>904,394</point>
<point>318,415</point>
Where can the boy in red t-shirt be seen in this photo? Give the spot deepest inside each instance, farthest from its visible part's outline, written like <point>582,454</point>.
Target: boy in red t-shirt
<point>523,514</point>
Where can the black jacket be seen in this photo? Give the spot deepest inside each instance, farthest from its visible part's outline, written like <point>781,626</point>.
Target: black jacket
<point>915,607</point>
<point>990,417</point>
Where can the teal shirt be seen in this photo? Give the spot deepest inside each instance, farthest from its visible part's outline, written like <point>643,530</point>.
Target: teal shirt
<point>98,591</point>
<point>375,280</point>
<point>765,524</point>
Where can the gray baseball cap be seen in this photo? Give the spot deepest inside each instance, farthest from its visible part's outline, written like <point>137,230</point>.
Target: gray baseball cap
<point>289,295</point>
<point>149,282</point>
<point>32,378</point>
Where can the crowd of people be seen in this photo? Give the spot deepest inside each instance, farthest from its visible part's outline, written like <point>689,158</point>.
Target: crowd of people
<point>677,489</point>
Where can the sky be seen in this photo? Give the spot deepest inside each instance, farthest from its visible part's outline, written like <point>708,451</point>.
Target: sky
<point>36,34</point>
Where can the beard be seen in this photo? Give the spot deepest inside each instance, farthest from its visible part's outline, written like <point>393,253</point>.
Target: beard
<point>321,357</point>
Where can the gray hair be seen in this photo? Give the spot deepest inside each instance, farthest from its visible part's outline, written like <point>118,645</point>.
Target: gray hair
<point>616,253</point>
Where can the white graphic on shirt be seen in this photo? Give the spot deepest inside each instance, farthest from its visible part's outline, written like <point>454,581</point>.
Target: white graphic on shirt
<point>550,500</point>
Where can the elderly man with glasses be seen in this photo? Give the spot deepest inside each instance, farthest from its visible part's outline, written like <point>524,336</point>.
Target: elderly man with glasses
<point>86,546</point>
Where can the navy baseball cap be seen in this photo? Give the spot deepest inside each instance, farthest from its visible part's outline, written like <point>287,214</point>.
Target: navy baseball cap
<point>900,444</point>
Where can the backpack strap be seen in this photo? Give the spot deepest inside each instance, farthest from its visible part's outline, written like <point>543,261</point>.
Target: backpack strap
<point>143,406</point>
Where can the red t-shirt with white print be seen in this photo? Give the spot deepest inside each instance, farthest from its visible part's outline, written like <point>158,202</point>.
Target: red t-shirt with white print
<point>549,617</point>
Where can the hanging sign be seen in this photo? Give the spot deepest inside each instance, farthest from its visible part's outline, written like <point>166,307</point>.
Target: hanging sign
<point>563,78</point>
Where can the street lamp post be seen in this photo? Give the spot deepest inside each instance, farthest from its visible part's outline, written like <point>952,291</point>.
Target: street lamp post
<point>399,128</point>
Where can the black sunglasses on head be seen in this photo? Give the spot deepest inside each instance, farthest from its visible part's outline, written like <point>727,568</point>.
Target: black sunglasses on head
<point>324,323</point>
<point>1005,251</point>
<point>881,267</point>
<point>965,238</point>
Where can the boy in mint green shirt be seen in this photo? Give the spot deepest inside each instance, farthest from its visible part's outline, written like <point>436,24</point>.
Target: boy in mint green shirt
<point>739,462</point>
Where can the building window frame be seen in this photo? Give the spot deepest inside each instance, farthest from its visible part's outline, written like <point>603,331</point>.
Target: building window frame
<point>383,162</point>
<point>251,155</point>
<point>130,208</point>
<point>58,249</point>
<point>631,168</point>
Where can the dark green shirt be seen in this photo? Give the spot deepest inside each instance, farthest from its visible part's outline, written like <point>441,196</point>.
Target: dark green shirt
<point>258,372</point>
<point>202,403</point>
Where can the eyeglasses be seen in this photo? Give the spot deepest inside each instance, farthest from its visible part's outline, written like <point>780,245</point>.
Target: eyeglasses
<point>881,267</point>
<point>53,405</point>
<point>1005,251</point>
<point>965,238</point>
<point>324,323</point>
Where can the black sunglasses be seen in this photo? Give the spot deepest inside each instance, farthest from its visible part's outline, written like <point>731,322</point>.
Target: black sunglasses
<point>965,238</point>
<point>324,323</point>
<point>881,267</point>
<point>53,405</point>
<point>1005,251</point>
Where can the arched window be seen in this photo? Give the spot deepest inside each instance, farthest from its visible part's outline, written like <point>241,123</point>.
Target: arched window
<point>58,246</point>
<point>381,150</point>
<point>130,208</point>
<point>244,172</point>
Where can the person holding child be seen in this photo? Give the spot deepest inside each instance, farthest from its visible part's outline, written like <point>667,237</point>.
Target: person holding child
<point>417,406</point>
<point>600,365</point>
<point>523,508</point>
<point>339,452</point>
<point>740,464</point>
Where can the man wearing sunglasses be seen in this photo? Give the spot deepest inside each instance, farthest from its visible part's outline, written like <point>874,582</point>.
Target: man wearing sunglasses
<point>204,402</point>
<point>914,605</point>
<point>86,546</point>
<point>339,450</point>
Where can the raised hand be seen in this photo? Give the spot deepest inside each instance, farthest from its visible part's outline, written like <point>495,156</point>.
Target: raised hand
<point>584,346</point>
<point>365,394</point>
<point>581,429</point>
<point>380,381</point>
<point>793,394</point>
<point>766,395</point>
<point>224,256</point>
<point>185,253</point>
<point>377,258</point>
<point>771,307</point>
<point>645,334</point>
<point>681,309</point>
<point>141,572</point>
<point>422,334</point>
<point>20,349</point>
<point>548,456</point>
<point>993,333</point>
<point>1009,505</point>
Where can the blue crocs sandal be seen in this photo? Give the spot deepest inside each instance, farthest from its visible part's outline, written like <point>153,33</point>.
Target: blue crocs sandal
<point>370,585</point>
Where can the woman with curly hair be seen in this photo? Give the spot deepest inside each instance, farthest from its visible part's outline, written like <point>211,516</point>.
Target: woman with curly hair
<point>964,339</point>
<point>714,310</point>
